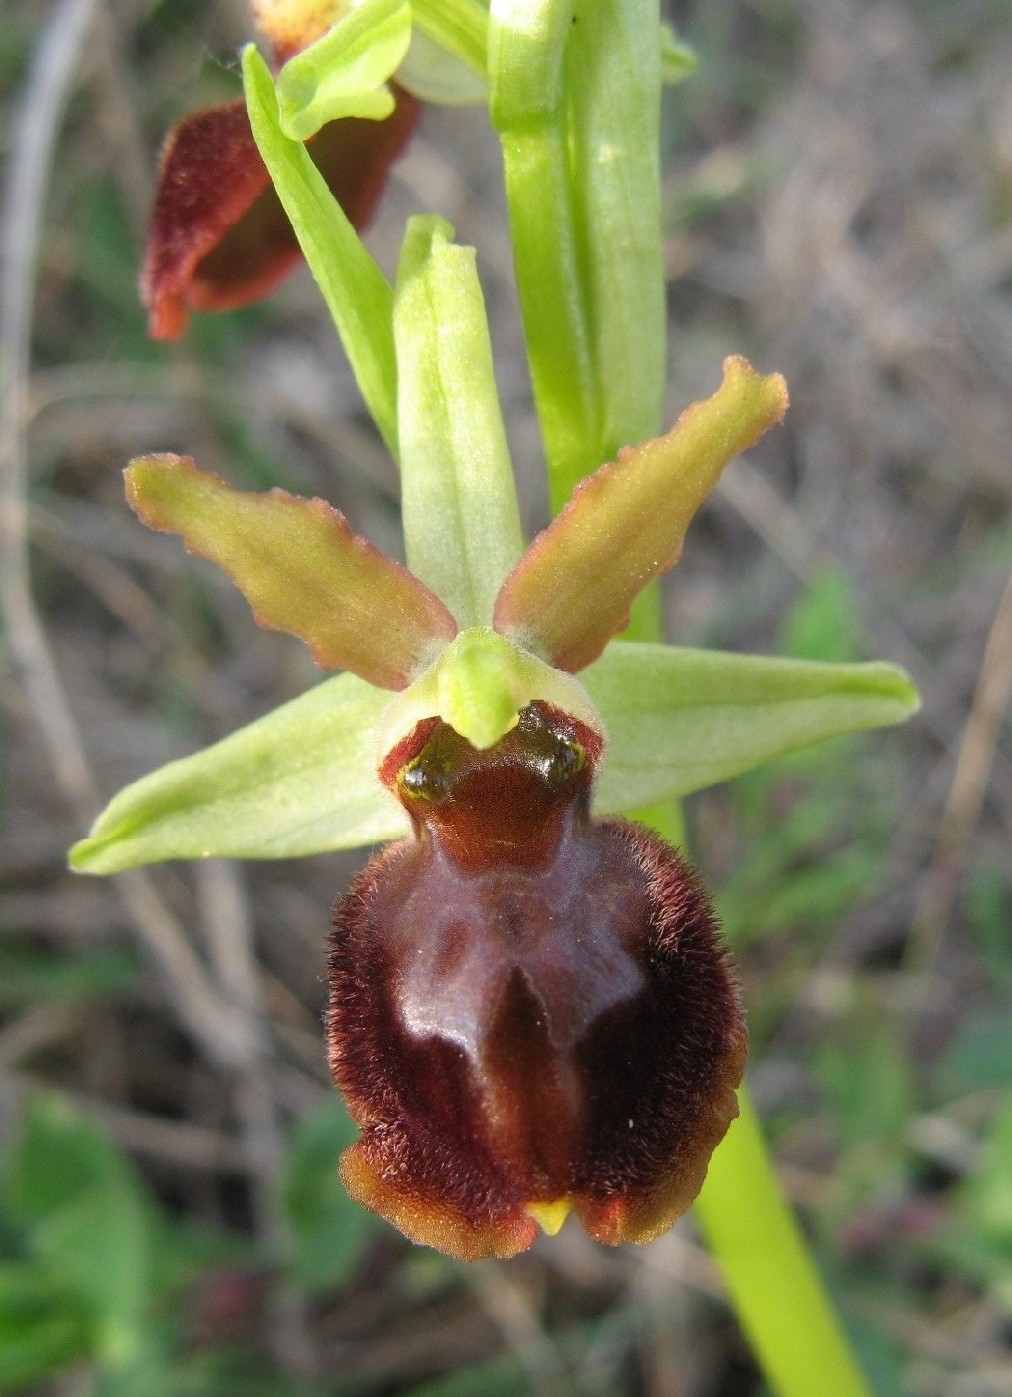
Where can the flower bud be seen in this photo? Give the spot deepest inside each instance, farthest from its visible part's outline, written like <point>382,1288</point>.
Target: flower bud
<point>530,1011</point>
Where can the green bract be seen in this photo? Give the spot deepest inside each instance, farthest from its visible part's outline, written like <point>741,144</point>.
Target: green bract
<point>358,295</point>
<point>345,72</point>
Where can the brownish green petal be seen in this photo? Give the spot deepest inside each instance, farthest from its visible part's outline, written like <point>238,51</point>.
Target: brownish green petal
<point>624,525</point>
<point>301,567</point>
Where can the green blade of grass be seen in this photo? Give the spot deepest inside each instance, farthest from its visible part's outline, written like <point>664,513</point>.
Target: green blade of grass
<point>777,1292</point>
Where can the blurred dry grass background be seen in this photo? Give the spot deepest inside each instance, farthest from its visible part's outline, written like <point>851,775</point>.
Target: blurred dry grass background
<point>839,204</point>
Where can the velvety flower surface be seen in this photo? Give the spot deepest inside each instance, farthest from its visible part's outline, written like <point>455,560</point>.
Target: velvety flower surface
<point>219,237</point>
<point>530,1009</point>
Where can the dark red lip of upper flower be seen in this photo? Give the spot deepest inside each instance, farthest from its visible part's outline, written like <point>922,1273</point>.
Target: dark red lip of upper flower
<point>218,237</point>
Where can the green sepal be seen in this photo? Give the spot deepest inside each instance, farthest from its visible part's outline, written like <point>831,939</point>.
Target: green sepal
<point>358,295</point>
<point>300,780</point>
<point>678,720</point>
<point>462,530</point>
<point>345,72</point>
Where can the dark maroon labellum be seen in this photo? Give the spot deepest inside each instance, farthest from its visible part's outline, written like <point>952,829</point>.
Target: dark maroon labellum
<point>530,1009</point>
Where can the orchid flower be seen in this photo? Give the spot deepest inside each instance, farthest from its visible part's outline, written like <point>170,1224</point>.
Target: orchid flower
<point>218,236</point>
<point>531,1012</point>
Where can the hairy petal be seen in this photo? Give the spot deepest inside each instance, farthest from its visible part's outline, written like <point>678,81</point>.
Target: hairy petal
<point>624,525</point>
<point>301,567</point>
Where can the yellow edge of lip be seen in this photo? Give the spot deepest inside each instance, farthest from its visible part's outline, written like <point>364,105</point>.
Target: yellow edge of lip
<point>550,1216</point>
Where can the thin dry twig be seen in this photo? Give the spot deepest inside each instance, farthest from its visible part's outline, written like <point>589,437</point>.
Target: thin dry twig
<point>222,1032</point>
<point>974,761</point>
<point>35,130</point>
<point>229,933</point>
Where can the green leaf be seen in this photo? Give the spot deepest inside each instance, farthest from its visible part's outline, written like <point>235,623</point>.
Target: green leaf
<point>301,568</point>
<point>99,1243</point>
<point>869,1083</point>
<point>42,1324</point>
<point>678,720</point>
<point>29,974</point>
<point>298,781</point>
<point>329,1230</point>
<point>345,72</point>
<point>358,296</point>
<point>461,521</point>
<point>88,1216</point>
<point>572,590</point>
<point>822,623</point>
<point>58,1156</point>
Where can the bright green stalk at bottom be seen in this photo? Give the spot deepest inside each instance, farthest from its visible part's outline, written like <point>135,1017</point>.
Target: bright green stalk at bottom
<point>775,1288</point>
<point>749,1225</point>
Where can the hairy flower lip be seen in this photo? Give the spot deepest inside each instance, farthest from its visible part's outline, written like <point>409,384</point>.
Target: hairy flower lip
<point>530,1010</point>
<point>218,237</point>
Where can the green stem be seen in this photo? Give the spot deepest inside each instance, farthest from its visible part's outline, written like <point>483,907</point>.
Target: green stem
<point>527,104</point>
<point>613,87</point>
<point>551,300</point>
<point>613,83</point>
<point>778,1295</point>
